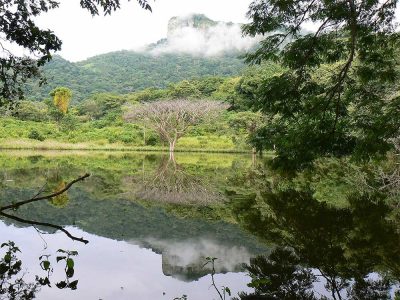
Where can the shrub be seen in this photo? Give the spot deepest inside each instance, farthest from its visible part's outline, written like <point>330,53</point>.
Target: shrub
<point>127,138</point>
<point>152,141</point>
<point>35,135</point>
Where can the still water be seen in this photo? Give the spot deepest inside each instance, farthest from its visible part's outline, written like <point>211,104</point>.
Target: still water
<point>151,221</point>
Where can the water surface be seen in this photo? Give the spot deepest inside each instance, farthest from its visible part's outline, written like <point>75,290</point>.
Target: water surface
<point>150,221</point>
<point>330,232</point>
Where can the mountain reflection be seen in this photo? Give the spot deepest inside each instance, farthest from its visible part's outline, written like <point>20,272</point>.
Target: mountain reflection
<point>185,259</point>
<point>331,232</point>
<point>175,209</point>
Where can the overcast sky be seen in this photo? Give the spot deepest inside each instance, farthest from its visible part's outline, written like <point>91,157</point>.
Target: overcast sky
<point>131,27</point>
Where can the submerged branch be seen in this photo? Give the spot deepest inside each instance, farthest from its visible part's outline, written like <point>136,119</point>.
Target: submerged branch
<point>15,218</point>
<point>46,197</point>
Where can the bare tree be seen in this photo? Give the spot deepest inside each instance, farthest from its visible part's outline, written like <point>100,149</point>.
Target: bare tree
<point>172,118</point>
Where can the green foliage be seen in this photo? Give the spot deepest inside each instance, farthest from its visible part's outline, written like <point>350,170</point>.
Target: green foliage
<point>337,95</point>
<point>69,269</point>
<point>108,192</point>
<point>125,72</point>
<point>246,121</point>
<point>337,208</point>
<point>183,89</point>
<point>227,92</point>
<point>250,83</point>
<point>35,135</point>
<point>18,27</point>
<point>103,132</point>
<point>61,200</point>
<point>12,283</point>
<point>98,105</point>
<point>32,111</point>
<point>272,277</point>
<point>148,94</point>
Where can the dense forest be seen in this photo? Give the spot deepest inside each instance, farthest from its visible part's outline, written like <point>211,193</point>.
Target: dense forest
<point>155,65</point>
<point>128,71</point>
<point>97,121</point>
<point>102,89</point>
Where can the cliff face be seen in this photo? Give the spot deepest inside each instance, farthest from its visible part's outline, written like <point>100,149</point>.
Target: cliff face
<point>195,21</point>
<point>200,36</point>
<point>196,46</point>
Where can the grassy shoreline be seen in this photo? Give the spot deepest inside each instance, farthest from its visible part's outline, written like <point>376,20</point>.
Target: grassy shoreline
<point>24,144</point>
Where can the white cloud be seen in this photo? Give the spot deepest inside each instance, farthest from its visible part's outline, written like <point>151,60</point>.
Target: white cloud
<point>210,41</point>
<point>194,251</point>
<point>129,28</point>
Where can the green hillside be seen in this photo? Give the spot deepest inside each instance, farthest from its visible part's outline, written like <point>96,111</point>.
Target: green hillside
<point>124,72</point>
<point>127,71</point>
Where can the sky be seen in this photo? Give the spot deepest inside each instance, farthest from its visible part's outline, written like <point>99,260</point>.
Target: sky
<point>131,27</point>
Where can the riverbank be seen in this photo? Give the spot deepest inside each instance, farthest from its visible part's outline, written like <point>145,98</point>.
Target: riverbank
<point>184,146</point>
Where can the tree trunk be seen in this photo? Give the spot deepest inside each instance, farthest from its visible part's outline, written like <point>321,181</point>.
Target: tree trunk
<point>171,150</point>
<point>172,145</point>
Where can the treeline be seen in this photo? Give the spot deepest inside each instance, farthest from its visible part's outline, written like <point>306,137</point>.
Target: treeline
<point>99,118</point>
<point>124,72</point>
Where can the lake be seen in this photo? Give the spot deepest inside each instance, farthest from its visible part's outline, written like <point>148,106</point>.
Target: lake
<point>152,221</point>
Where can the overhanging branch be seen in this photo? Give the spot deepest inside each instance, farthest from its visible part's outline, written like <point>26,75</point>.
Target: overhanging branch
<point>46,197</point>
<point>30,222</point>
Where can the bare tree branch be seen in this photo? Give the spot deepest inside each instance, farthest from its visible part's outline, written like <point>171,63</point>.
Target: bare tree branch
<point>172,118</point>
<point>47,197</point>
<point>44,224</point>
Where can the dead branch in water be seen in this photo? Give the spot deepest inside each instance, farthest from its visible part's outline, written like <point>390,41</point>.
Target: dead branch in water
<point>36,198</point>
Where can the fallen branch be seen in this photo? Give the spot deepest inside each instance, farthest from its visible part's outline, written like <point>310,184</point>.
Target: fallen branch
<point>47,197</point>
<point>72,237</point>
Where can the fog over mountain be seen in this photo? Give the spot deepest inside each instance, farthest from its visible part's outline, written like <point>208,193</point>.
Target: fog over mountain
<point>195,47</point>
<point>200,36</point>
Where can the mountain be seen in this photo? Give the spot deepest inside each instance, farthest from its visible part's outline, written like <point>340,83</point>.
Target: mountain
<point>200,36</point>
<point>198,21</point>
<point>196,46</point>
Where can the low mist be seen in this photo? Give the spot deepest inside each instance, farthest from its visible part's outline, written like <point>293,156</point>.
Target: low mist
<point>211,41</point>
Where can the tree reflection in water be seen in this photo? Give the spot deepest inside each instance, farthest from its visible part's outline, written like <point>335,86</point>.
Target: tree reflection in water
<point>322,250</point>
<point>281,276</point>
<point>170,183</point>
<point>334,229</point>
<point>12,284</point>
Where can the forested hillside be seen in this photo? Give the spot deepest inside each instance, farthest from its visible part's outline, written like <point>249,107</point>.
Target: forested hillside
<point>127,71</point>
<point>159,64</point>
<point>91,100</point>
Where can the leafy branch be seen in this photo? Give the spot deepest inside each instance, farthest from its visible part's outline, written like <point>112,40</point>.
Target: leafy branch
<point>225,290</point>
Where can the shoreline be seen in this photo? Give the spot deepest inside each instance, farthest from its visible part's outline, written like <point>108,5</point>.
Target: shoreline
<point>53,145</point>
<point>110,148</point>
